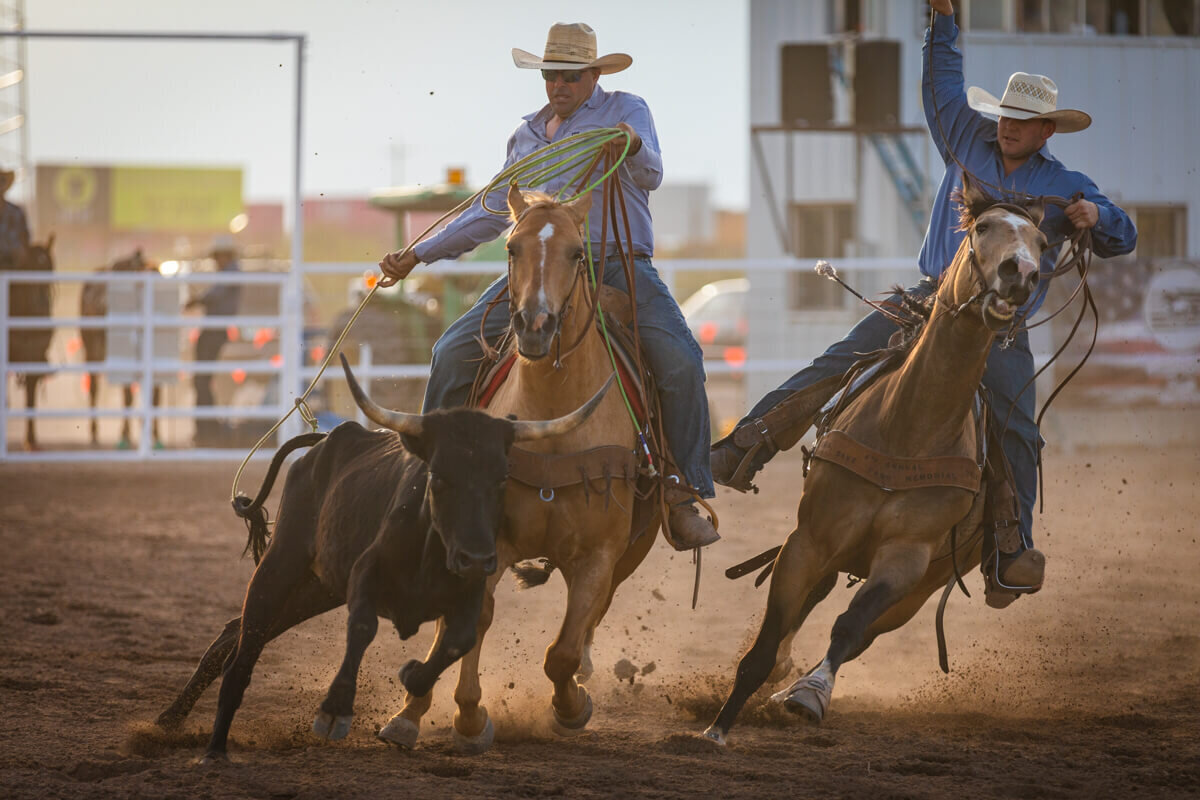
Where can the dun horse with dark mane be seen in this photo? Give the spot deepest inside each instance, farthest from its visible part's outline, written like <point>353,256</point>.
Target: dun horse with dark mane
<point>584,528</point>
<point>918,416</point>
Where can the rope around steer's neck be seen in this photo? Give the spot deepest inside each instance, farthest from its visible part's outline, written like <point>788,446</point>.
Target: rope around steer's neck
<point>575,155</point>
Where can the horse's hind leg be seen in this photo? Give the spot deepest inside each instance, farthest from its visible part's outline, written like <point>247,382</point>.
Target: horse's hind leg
<point>31,384</point>
<point>800,580</point>
<point>473,731</point>
<point>895,571</point>
<point>783,658</point>
<point>307,601</point>
<point>93,396</point>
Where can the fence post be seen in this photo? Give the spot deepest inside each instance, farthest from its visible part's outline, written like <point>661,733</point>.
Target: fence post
<point>146,387</point>
<point>4,367</point>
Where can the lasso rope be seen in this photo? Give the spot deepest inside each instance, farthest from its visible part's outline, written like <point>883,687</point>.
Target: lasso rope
<point>575,154</point>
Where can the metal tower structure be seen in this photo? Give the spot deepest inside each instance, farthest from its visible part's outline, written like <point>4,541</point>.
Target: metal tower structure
<point>14,130</point>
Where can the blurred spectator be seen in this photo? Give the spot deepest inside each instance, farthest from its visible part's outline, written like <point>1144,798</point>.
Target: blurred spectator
<point>218,299</point>
<point>14,230</point>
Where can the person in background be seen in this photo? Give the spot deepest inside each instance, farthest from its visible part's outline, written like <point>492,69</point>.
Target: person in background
<point>14,229</point>
<point>218,299</point>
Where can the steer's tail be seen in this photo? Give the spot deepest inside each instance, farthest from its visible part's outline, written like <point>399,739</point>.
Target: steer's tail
<point>252,511</point>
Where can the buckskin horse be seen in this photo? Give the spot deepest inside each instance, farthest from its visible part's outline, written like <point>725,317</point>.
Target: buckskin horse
<point>30,300</point>
<point>917,416</point>
<point>583,529</point>
<point>93,302</point>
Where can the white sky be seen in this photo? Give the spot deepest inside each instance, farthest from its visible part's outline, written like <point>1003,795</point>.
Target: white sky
<point>397,90</point>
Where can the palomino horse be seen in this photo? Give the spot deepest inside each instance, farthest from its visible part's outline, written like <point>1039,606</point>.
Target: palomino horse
<point>94,303</point>
<point>901,540</point>
<point>588,539</point>
<point>30,300</point>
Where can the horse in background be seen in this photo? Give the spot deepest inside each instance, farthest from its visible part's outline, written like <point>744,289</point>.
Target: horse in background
<point>30,300</point>
<point>94,303</point>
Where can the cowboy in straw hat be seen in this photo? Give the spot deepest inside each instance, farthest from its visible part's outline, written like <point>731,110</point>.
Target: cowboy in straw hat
<point>1008,154</point>
<point>571,68</point>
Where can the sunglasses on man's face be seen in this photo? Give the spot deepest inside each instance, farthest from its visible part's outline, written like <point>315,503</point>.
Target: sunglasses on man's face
<point>567,75</point>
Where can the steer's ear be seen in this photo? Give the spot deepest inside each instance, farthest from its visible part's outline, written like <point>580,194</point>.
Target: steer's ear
<point>415,445</point>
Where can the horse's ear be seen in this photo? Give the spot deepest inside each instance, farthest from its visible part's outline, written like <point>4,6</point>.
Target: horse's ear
<point>974,201</point>
<point>516,200</point>
<point>1036,209</point>
<point>579,208</point>
<point>49,241</point>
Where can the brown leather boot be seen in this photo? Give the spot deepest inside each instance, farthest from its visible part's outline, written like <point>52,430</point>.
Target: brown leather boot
<point>688,529</point>
<point>1017,575</point>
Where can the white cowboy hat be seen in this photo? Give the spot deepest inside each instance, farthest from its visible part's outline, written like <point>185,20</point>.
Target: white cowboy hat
<point>571,46</point>
<point>1029,96</point>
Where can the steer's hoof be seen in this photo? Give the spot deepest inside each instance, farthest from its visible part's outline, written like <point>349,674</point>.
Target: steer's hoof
<point>713,734</point>
<point>170,721</point>
<point>400,731</point>
<point>571,727</point>
<point>808,697</point>
<point>213,759</point>
<point>328,726</point>
<point>475,745</point>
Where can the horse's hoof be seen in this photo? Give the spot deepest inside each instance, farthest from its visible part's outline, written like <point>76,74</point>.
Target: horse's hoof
<point>713,734</point>
<point>331,727</point>
<point>569,727</point>
<point>401,732</point>
<point>808,697</point>
<point>475,745</point>
<point>170,720</point>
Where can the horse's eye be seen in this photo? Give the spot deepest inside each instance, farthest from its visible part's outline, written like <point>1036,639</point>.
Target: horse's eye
<point>981,228</point>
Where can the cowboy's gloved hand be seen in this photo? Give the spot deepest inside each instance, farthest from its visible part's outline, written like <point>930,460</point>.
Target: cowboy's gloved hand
<point>1082,213</point>
<point>397,265</point>
<point>617,146</point>
<point>942,7</point>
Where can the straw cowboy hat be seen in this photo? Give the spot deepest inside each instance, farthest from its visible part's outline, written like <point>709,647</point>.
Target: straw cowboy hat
<point>1029,96</point>
<point>571,46</point>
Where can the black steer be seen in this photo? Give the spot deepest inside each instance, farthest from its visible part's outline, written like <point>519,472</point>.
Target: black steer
<point>399,523</point>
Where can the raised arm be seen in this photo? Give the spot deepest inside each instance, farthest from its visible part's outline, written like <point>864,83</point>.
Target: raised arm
<point>953,125</point>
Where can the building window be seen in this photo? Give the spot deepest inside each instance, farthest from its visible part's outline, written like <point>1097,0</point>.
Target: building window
<point>1103,17</point>
<point>1162,231</point>
<point>818,231</point>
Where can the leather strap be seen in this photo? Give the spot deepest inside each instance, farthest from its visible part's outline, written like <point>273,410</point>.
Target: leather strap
<point>556,470</point>
<point>894,472</point>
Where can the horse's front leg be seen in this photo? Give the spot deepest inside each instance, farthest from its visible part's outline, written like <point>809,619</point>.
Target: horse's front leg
<point>588,587</point>
<point>473,730</point>
<point>896,570</point>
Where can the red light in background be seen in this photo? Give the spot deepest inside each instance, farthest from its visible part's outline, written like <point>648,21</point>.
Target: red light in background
<point>85,382</point>
<point>239,376</point>
<point>277,360</point>
<point>73,345</point>
<point>708,332</point>
<point>232,333</point>
<point>735,356</point>
<point>317,354</point>
<point>262,336</point>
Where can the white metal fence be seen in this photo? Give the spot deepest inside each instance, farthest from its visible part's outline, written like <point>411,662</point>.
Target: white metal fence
<point>289,374</point>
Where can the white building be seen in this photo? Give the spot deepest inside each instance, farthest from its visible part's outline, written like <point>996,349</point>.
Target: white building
<point>832,194</point>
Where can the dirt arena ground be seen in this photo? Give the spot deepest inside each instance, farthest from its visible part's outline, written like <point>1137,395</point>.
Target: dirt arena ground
<point>113,580</point>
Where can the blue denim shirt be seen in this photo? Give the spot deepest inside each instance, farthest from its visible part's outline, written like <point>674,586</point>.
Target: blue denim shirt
<point>972,138</point>
<point>639,174</point>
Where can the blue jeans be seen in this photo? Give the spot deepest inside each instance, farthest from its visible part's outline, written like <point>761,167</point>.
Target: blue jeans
<point>1007,371</point>
<point>671,352</point>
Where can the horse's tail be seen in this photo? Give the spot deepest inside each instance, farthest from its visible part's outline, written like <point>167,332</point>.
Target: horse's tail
<point>252,511</point>
<point>532,573</point>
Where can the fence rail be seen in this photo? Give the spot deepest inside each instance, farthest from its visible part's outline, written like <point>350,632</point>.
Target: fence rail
<point>292,376</point>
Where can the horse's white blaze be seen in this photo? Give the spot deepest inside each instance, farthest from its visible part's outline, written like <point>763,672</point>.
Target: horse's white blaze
<point>1024,254</point>
<point>544,236</point>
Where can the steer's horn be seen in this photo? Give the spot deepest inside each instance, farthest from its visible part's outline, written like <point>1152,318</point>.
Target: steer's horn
<point>527,431</point>
<point>398,421</point>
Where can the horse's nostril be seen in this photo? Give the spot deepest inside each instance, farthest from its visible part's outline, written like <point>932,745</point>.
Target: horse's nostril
<point>1008,269</point>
